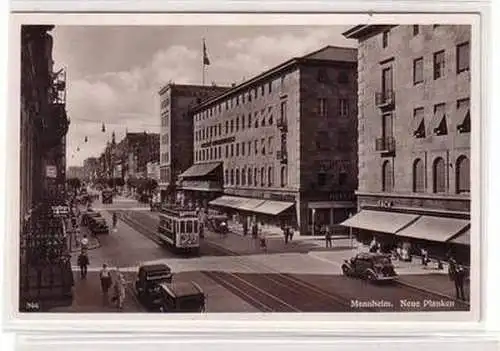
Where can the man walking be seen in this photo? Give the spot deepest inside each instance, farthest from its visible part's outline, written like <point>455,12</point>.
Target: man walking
<point>83,262</point>
<point>328,238</point>
<point>115,220</point>
<point>119,289</point>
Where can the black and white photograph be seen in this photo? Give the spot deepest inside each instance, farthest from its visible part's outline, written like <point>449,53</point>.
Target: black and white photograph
<point>247,168</point>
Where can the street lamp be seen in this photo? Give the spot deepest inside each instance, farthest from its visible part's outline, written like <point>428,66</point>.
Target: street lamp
<point>350,232</point>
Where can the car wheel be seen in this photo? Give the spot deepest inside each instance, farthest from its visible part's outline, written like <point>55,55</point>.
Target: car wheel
<point>345,271</point>
<point>371,277</point>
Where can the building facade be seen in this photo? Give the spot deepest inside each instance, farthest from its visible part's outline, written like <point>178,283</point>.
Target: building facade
<point>176,140</point>
<point>282,143</point>
<point>45,273</point>
<point>90,169</point>
<point>414,128</point>
<point>76,172</point>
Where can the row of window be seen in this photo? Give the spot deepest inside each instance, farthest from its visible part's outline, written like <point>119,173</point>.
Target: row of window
<point>241,123</point>
<point>439,176</point>
<point>254,176</point>
<point>165,157</point>
<point>462,63</point>
<point>440,122</point>
<point>250,147</point>
<point>242,98</point>
<point>343,107</point>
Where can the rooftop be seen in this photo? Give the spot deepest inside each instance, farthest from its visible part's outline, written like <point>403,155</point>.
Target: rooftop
<point>332,54</point>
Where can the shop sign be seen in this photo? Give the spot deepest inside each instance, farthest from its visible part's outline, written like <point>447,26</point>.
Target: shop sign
<point>51,171</point>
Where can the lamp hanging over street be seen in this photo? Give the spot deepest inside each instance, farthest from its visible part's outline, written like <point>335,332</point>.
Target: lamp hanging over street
<point>103,129</point>
<point>86,139</point>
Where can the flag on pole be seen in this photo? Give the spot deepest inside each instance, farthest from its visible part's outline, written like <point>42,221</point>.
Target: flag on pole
<point>206,61</point>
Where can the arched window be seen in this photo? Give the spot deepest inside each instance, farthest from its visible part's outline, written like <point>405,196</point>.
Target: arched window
<point>270,176</point>
<point>243,177</point>
<point>262,176</point>
<point>232,177</point>
<point>237,176</point>
<point>418,176</point>
<point>226,176</point>
<point>463,175</point>
<point>249,176</point>
<point>387,183</point>
<point>256,176</point>
<point>439,175</point>
<point>283,176</point>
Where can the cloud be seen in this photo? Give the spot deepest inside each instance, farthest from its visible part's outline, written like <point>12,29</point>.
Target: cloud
<point>129,98</point>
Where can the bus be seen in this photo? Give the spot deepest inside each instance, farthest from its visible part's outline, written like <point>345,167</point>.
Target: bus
<point>107,196</point>
<point>178,229</point>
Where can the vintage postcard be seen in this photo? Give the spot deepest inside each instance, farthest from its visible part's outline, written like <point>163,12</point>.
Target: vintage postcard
<point>232,164</point>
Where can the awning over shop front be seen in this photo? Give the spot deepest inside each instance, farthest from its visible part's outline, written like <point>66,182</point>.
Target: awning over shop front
<point>252,204</point>
<point>434,228</point>
<point>462,239</point>
<point>380,221</point>
<point>228,201</point>
<point>273,207</point>
<point>200,170</point>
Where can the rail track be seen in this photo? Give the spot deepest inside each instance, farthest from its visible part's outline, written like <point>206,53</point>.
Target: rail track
<point>270,292</point>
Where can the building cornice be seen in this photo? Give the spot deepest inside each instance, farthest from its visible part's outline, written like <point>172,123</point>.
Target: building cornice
<point>366,30</point>
<point>415,195</point>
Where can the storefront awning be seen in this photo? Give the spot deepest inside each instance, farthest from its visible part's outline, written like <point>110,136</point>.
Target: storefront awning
<point>252,204</point>
<point>462,239</point>
<point>380,221</point>
<point>434,228</point>
<point>200,170</point>
<point>228,201</point>
<point>273,207</point>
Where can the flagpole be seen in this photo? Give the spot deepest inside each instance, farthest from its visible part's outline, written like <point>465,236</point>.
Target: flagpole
<point>203,61</point>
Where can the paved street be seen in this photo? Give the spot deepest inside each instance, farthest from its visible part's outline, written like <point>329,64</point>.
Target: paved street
<point>237,276</point>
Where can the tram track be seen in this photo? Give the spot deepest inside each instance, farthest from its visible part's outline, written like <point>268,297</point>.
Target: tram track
<point>271,292</point>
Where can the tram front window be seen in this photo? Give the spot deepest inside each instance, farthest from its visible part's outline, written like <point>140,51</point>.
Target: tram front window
<point>183,227</point>
<point>189,226</point>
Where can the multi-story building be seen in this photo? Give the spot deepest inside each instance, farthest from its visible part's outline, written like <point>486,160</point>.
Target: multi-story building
<point>176,145</point>
<point>282,144</point>
<point>44,272</point>
<point>414,131</point>
<point>76,172</point>
<point>90,168</point>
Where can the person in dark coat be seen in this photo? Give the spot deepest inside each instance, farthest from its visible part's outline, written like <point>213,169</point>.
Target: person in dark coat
<point>83,262</point>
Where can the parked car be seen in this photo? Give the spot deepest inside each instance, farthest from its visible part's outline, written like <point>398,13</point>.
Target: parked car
<point>98,225</point>
<point>181,297</point>
<point>371,266</point>
<point>147,284</point>
<point>86,216</point>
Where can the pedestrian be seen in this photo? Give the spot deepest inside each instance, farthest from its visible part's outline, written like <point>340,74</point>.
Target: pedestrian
<point>105,277</point>
<point>255,230</point>
<point>84,242</point>
<point>374,245</point>
<point>285,233</point>
<point>425,256</point>
<point>115,220</point>
<point>328,238</point>
<point>290,233</point>
<point>119,289</point>
<point>245,226</point>
<point>83,262</point>
<point>459,282</point>
<point>262,240</point>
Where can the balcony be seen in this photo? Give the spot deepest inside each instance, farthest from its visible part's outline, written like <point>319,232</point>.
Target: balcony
<point>385,145</point>
<point>282,157</point>
<point>385,99</point>
<point>282,125</point>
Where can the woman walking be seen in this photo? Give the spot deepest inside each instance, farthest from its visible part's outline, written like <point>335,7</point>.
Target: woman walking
<point>105,277</point>
<point>119,289</point>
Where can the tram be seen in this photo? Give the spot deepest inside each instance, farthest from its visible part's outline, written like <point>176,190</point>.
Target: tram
<point>178,229</point>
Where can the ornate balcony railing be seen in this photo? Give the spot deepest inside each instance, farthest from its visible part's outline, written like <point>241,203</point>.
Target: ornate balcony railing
<point>386,144</point>
<point>385,98</point>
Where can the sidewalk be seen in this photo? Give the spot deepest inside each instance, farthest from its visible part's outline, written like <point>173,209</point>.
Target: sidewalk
<point>87,297</point>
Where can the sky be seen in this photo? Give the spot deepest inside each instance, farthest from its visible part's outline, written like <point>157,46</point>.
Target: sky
<point>114,73</point>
